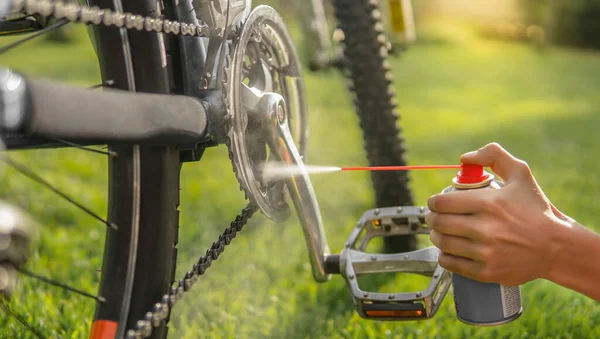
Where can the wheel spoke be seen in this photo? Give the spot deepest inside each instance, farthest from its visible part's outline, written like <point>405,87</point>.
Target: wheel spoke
<point>21,319</point>
<point>34,35</point>
<point>26,172</point>
<point>88,149</point>
<point>49,281</point>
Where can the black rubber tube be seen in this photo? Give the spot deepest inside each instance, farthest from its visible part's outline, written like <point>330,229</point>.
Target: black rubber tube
<point>157,185</point>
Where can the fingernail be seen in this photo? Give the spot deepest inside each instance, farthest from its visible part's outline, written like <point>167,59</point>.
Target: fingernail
<point>431,203</point>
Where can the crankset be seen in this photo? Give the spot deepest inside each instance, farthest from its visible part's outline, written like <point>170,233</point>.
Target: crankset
<point>266,110</point>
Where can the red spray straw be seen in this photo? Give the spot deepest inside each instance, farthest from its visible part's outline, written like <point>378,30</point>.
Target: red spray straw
<point>468,174</point>
<point>399,168</point>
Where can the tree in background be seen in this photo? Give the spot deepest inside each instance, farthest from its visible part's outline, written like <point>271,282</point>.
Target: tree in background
<point>566,22</point>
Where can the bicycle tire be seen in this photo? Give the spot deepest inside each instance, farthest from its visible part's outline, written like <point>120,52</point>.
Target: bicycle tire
<point>140,257</point>
<point>367,68</point>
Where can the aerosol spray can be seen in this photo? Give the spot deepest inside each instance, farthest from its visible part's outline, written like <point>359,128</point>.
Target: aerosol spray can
<point>479,303</point>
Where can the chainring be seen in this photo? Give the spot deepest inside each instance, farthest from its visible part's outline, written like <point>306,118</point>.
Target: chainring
<point>264,60</point>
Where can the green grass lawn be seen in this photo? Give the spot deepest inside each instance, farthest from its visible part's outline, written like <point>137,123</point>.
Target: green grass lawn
<point>456,95</point>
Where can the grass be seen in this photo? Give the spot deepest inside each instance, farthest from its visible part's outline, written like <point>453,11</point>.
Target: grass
<point>456,95</point>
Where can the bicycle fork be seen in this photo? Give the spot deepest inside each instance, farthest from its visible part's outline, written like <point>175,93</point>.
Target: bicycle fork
<point>354,261</point>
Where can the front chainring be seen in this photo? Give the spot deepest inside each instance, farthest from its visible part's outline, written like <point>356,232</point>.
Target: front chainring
<point>264,60</point>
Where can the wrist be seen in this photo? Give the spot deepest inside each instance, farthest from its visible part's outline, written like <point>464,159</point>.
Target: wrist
<point>561,233</point>
<point>574,259</point>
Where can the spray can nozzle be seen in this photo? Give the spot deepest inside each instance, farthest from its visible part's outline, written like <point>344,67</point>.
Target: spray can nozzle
<point>471,174</point>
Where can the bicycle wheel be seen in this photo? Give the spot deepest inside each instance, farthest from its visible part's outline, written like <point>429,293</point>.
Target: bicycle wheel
<point>143,194</point>
<point>368,70</point>
<point>139,258</point>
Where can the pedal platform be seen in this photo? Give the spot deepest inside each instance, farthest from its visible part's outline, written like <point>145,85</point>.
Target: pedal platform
<point>355,261</point>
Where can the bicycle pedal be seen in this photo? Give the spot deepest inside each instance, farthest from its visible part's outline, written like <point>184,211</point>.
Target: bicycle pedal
<point>355,261</point>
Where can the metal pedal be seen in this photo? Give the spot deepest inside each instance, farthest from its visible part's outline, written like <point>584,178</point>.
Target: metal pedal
<point>354,261</point>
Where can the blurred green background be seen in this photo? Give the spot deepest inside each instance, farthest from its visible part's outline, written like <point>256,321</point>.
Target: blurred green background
<point>459,86</point>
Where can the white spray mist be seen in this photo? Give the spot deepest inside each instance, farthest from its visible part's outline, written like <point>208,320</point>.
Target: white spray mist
<point>276,171</point>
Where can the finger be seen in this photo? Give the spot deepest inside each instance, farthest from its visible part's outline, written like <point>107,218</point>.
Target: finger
<point>458,202</point>
<point>457,246</point>
<point>459,225</point>
<point>498,159</point>
<point>465,267</point>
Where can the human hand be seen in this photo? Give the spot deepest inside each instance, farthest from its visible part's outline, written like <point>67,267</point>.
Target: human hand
<point>508,235</point>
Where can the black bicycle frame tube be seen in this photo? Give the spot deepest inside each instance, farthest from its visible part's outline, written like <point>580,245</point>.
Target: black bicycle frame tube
<point>52,110</point>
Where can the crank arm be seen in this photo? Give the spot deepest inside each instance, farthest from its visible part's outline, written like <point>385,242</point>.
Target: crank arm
<point>355,261</point>
<point>299,186</point>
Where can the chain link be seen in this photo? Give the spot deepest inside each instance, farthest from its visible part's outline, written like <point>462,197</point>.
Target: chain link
<point>93,15</point>
<point>161,311</point>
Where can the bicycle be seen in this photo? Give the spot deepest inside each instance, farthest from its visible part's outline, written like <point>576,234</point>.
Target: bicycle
<point>201,75</point>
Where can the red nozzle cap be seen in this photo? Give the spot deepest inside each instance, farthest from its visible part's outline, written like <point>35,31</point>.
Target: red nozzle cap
<point>471,174</point>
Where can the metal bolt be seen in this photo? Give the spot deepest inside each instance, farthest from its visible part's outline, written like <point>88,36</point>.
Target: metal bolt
<point>280,114</point>
<point>399,210</point>
<point>351,276</point>
<point>365,294</point>
<point>373,258</point>
<point>406,256</point>
<point>422,209</point>
<point>436,275</point>
<point>418,295</point>
<point>391,296</point>
<point>347,245</point>
<point>376,212</point>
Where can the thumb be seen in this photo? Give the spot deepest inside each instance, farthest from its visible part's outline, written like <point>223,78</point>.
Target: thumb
<point>506,166</point>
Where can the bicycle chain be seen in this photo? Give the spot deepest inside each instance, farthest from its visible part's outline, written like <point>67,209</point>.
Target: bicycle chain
<point>74,12</point>
<point>162,310</point>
